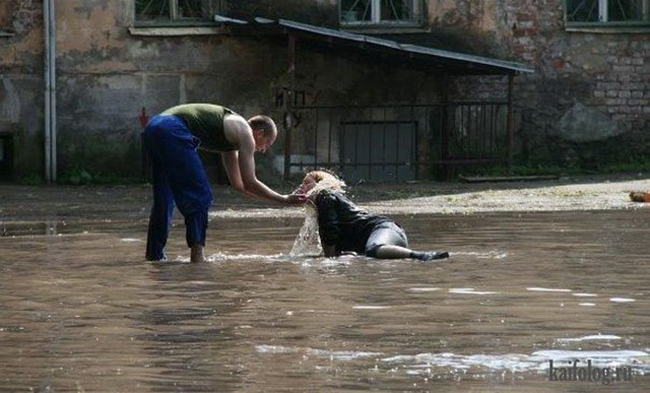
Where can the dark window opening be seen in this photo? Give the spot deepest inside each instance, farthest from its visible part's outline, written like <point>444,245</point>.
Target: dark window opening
<point>177,10</point>
<point>608,11</point>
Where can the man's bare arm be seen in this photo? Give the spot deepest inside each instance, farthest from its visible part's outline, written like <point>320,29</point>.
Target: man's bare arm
<point>230,162</point>
<point>239,133</point>
<point>246,160</point>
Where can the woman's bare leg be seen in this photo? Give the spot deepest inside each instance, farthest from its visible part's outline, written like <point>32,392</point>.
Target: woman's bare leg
<point>392,252</point>
<point>397,252</point>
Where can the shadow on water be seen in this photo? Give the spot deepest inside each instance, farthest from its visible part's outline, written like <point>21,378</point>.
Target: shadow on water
<point>83,311</point>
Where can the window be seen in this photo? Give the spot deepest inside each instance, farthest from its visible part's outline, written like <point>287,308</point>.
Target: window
<point>381,12</point>
<point>612,12</point>
<point>6,16</point>
<point>176,10</point>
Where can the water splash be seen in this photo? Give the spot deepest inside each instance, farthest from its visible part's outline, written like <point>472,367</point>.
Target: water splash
<point>308,241</point>
<point>540,289</point>
<point>238,257</point>
<point>590,338</point>
<point>470,291</point>
<point>621,300</point>
<point>494,254</point>
<point>333,355</point>
<point>585,295</point>
<point>441,363</point>
<point>537,361</point>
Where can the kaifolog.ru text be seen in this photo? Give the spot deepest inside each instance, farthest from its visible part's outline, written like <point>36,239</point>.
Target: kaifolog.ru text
<point>588,373</point>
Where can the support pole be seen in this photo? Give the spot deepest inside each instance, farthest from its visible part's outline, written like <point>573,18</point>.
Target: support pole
<point>510,125</point>
<point>46,98</point>
<point>444,128</point>
<point>49,75</point>
<point>288,120</point>
<point>53,140</point>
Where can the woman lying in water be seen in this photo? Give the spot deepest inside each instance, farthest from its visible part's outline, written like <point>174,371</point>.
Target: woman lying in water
<point>345,228</point>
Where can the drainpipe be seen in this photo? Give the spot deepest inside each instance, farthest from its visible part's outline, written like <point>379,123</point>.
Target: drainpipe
<point>49,32</point>
<point>288,124</point>
<point>510,125</point>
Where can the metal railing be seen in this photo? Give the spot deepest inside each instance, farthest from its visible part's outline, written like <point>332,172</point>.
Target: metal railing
<point>398,142</point>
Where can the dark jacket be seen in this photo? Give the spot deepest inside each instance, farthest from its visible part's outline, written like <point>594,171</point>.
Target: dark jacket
<point>344,224</point>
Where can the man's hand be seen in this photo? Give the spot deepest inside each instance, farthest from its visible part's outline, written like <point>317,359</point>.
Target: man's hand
<point>295,199</point>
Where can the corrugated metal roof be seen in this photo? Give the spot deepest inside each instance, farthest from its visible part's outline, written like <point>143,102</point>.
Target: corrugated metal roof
<point>475,64</point>
<point>408,48</point>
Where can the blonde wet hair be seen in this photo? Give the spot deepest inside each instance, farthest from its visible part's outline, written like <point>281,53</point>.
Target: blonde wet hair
<point>325,181</point>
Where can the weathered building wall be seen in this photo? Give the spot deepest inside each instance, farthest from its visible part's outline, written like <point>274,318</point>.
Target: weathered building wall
<point>589,98</point>
<point>21,80</point>
<point>588,102</point>
<point>106,74</point>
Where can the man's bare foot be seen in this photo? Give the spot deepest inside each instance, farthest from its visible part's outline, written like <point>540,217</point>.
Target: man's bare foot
<point>196,253</point>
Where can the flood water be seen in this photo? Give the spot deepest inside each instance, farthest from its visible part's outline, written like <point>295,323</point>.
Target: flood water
<point>81,311</point>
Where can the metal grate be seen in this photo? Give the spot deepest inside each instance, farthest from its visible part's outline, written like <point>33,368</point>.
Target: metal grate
<point>397,143</point>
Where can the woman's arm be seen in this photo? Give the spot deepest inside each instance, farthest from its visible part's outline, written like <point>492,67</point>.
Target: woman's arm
<point>328,223</point>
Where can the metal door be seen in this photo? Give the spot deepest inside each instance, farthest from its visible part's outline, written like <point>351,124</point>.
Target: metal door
<point>378,151</point>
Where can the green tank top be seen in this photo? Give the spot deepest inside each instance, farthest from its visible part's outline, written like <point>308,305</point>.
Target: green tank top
<point>205,121</point>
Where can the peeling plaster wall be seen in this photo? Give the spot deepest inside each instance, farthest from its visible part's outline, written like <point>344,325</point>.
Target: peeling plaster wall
<point>105,75</point>
<point>21,81</point>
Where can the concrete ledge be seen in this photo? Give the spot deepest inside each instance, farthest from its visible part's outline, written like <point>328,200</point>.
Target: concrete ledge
<point>481,179</point>
<point>175,31</point>
<point>609,30</point>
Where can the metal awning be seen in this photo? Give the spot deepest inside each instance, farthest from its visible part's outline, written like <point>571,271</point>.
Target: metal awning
<point>387,51</point>
<point>365,45</point>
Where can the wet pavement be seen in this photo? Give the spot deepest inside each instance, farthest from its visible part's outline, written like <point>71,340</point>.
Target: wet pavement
<point>82,311</point>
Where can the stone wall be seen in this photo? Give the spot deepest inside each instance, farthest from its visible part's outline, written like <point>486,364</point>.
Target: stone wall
<point>21,81</point>
<point>588,104</point>
<point>107,72</point>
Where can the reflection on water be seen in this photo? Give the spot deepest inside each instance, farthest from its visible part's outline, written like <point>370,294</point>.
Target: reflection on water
<point>82,311</point>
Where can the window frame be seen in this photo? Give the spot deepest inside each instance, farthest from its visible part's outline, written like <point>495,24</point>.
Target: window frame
<point>6,26</point>
<point>605,23</point>
<point>175,20</point>
<point>376,21</point>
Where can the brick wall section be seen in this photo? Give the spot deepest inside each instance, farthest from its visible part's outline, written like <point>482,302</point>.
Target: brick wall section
<point>27,14</point>
<point>607,73</point>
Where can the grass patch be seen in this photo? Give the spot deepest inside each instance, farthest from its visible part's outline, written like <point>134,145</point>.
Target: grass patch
<point>78,175</point>
<point>30,180</point>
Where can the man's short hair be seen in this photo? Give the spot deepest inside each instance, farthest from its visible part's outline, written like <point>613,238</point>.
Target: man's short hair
<point>264,123</point>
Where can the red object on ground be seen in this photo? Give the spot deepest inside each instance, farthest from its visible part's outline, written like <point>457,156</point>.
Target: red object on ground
<point>143,118</point>
<point>640,196</point>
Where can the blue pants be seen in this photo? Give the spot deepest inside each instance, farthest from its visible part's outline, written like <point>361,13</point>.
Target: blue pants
<point>178,176</point>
